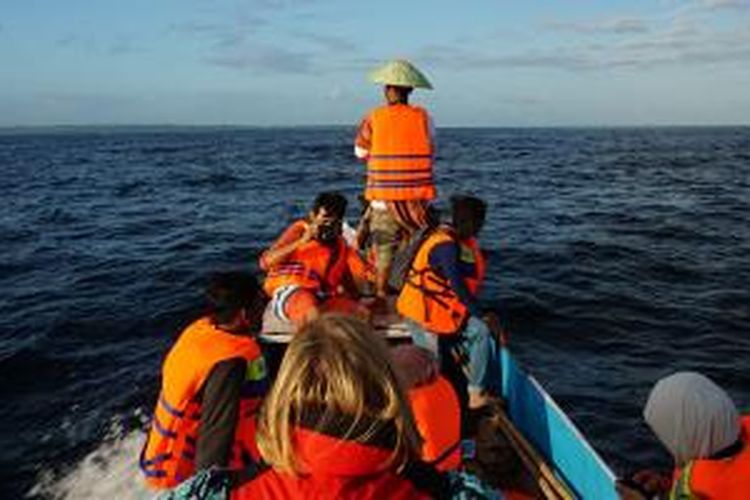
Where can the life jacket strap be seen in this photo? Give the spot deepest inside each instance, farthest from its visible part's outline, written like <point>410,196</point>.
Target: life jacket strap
<point>445,454</point>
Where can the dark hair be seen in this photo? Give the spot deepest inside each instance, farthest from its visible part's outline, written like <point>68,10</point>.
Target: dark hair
<point>230,292</point>
<point>402,92</point>
<point>468,215</point>
<point>334,203</point>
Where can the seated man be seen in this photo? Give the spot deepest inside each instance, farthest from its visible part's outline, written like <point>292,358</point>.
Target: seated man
<point>439,296</point>
<point>311,269</point>
<point>213,380</point>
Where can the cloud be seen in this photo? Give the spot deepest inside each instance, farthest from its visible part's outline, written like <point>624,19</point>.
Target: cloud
<point>616,26</point>
<point>123,47</point>
<point>680,38</point>
<point>224,34</point>
<point>332,43</point>
<point>648,53</point>
<point>120,45</point>
<point>265,58</point>
<point>76,41</point>
<point>725,4</point>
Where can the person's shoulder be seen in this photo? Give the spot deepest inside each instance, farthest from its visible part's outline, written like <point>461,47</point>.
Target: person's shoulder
<point>383,108</point>
<point>295,228</point>
<point>420,109</point>
<point>445,232</point>
<point>197,325</point>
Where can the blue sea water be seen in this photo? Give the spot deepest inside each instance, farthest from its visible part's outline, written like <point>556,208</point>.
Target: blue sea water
<point>616,256</point>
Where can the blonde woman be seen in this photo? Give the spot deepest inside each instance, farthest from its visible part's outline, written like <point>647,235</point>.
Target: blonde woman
<point>336,423</point>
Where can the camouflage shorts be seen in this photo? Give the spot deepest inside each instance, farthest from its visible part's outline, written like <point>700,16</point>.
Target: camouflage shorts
<point>385,231</point>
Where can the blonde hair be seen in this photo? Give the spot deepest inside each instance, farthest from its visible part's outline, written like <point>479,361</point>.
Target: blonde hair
<point>337,364</point>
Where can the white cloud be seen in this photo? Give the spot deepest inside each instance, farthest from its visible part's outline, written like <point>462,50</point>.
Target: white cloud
<point>267,58</point>
<point>681,36</point>
<point>617,26</point>
<point>725,4</point>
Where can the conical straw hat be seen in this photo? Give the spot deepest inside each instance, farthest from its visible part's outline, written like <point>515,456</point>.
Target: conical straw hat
<point>400,73</point>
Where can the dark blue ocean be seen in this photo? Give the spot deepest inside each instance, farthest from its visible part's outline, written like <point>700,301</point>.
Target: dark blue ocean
<point>616,256</point>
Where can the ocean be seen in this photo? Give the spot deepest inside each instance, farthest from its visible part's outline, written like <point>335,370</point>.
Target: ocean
<point>616,256</point>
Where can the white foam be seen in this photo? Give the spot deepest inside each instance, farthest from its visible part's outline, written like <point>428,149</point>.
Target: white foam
<point>109,472</point>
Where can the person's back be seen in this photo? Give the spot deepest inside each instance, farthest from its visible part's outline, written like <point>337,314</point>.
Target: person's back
<point>725,477</point>
<point>710,443</point>
<point>434,403</point>
<point>336,423</point>
<point>427,296</point>
<point>212,381</point>
<point>396,140</point>
<point>399,164</point>
<point>441,288</point>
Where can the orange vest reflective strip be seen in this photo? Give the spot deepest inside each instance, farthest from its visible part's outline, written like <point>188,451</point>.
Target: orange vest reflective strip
<point>168,457</point>
<point>427,297</point>
<point>309,266</point>
<point>399,166</point>
<point>471,253</point>
<point>438,417</point>
<point>725,478</point>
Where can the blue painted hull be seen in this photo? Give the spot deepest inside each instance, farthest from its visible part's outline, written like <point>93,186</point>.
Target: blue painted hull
<point>538,418</point>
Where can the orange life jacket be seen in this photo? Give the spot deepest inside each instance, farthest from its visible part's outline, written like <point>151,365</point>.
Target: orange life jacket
<point>717,479</point>
<point>313,266</point>
<point>471,253</point>
<point>437,413</point>
<point>399,166</point>
<point>428,297</point>
<point>168,457</point>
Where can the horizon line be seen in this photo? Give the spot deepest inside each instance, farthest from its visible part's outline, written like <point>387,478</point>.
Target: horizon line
<point>22,127</point>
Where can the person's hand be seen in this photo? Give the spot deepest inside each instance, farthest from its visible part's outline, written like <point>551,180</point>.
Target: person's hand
<point>311,230</point>
<point>644,484</point>
<point>652,481</point>
<point>628,493</point>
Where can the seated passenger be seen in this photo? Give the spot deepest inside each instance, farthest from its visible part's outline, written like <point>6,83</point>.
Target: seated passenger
<point>213,380</point>
<point>435,404</point>
<point>439,296</point>
<point>311,269</point>
<point>336,423</point>
<point>710,443</point>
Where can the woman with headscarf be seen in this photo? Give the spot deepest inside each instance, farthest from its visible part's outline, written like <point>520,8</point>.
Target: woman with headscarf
<point>710,443</point>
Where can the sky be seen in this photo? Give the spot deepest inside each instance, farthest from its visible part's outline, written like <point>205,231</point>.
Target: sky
<point>305,62</point>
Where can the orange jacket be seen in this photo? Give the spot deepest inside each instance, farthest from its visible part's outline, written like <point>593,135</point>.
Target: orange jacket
<point>168,457</point>
<point>336,467</point>
<point>428,297</point>
<point>471,253</point>
<point>399,165</point>
<point>717,479</point>
<point>313,265</point>
<point>437,412</point>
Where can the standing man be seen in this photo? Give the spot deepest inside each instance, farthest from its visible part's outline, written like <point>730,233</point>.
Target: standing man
<point>213,381</point>
<point>396,141</point>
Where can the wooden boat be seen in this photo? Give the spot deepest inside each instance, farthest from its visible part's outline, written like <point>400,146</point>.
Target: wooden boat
<point>525,445</point>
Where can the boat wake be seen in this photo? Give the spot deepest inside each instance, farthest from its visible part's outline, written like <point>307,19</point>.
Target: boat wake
<point>109,471</point>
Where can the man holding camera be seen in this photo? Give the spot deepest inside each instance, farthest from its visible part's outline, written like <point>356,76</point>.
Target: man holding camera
<point>311,269</point>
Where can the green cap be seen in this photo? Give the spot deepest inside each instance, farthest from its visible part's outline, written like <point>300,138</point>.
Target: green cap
<point>400,73</point>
